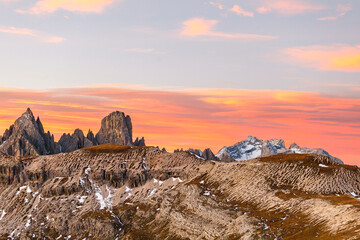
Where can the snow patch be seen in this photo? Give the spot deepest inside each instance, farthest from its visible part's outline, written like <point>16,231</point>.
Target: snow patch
<point>2,214</point>
<point>152,192</point>
<point>104,202</point>
<point>28,189</point>
<point>177,179</point>
<point>82,199</point>
<point>87,170</point>
<point>322,165</point>
<point>28,223</point>
<point>143,164</point>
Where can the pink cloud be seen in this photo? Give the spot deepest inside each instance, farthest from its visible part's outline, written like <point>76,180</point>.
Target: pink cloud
<point>239,11</point>
<point>140,50</point>
<point>286,7</point>
<point>50,6</point>
<point>336,57</point>
<point>32,33</point>
<point>341,10</point>
<point>200,27</point>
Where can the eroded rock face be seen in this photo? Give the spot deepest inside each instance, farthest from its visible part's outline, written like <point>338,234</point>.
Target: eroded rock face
<point>116,128</point>
<point>27,137</point>
<point>124,192</point>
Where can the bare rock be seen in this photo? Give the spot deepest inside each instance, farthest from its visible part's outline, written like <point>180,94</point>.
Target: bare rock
<point>116,128</point>
<point>74,142</point>
<point>209,155</point>
<point>139,142</point>
<point>27,137</point>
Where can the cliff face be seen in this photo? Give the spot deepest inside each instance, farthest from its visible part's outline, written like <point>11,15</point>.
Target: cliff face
<point>116,128</point>
<point>124,192</point>
<point>27,137</point>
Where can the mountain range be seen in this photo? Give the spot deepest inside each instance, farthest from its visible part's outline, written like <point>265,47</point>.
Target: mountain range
<point>79,188</point>
<point>27,137</point>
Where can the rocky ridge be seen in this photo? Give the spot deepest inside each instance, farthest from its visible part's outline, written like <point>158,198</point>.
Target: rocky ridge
<point>27,136</point>
<point>128,192</point>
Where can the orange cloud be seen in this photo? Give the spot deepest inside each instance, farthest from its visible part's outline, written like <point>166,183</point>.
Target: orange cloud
<point>239,11</point>
<point>50,6</point>
<point>327,58</point>
<point>200,27</point>
<point>286,7</point>
<point>32,33</point>
<point>198,117</point>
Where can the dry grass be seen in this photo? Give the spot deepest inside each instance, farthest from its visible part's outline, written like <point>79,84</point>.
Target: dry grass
<point>111,148</point>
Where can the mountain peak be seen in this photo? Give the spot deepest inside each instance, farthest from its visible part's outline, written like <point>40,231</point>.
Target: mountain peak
<point>253,147</point>
<point>116,128</point>
<point>27,137</point>
<point>28,115</point>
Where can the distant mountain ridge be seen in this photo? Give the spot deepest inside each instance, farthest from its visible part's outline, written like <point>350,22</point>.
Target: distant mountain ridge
<point>27,136</point>
<point>253,147</point>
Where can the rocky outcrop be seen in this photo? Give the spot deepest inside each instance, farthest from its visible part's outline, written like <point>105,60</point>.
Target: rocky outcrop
<point>139,142</point>
<point>209,155</point>
<point>77,140</point>
<point>27,137</point>
<point>116,128</point>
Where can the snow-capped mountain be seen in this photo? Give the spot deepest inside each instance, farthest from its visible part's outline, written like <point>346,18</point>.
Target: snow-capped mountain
<point>253,147</point>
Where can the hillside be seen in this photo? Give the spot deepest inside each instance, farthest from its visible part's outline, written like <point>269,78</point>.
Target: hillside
<point>122,192</point>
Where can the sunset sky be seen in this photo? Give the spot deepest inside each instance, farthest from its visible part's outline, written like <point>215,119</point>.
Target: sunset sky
<point>190,73</point>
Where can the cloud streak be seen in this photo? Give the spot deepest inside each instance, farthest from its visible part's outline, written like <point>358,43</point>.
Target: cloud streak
<point>241,12</point>
<point>341,10</point>
<point>31,33</point>
<point>338,57</point>
<point>51,6</point>
<point>198,117</point>
<point>286,7</point>
<point>200,27</point>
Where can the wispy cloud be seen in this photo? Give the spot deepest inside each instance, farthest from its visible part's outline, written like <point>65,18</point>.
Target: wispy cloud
<point>140,50</point>
<point>341,10</point>
<point>286,7</point>
<point>197,118</point>
<point>32,33</point>
<point>338,57</point>
<point>144,50</point>
<point>200,27</point>
<point>50,6</point>
<point>239,11</point>
<point>217,4</point>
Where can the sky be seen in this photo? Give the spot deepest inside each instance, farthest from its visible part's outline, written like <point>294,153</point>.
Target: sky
<point>190,73</point>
